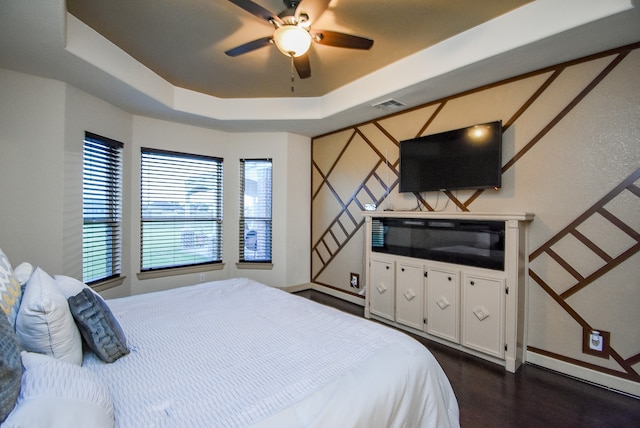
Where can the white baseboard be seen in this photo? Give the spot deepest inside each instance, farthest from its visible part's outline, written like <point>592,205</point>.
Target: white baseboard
<point>296,288</point>
<point>326,290</point>
<point>601,379</point>
<point>337,293</point>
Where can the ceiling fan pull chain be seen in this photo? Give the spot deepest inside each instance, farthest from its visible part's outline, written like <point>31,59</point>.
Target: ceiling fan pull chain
<point>292,77</point>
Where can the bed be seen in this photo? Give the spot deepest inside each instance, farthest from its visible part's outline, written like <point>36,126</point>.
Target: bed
<point>237,353</point>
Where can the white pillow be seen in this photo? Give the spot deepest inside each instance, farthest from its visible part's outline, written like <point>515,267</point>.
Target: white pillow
<point>23,271</point>
<point>55,394</point>
<point>44,323</point>
<point>70,286</point>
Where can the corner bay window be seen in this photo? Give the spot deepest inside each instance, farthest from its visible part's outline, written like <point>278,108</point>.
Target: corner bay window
<point>255,210</point>
<point>181,209</point>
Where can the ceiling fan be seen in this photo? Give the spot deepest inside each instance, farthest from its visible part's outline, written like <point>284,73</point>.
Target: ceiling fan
<point>293,34</point>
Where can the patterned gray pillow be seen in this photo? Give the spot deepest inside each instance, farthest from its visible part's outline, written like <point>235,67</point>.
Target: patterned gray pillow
<point>10,291</point>
<point>97,325</point>
<point>10,367</point>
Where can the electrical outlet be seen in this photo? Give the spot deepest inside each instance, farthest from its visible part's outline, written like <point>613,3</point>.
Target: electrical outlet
<point>596,342</point>
<point>354,280</point>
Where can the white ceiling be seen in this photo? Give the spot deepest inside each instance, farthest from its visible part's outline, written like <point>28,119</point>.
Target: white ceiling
<point>166,59</point>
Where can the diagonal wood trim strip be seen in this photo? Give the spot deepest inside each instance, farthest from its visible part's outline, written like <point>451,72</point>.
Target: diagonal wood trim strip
<point>588,213</point>
<point>591,245</point>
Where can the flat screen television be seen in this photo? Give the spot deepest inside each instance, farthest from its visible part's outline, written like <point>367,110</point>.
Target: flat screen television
<point>466,158</point>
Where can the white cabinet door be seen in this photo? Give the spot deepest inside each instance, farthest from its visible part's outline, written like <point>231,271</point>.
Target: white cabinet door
<point>409,289</point>
<point>483,307</point>
<point>443,291</point>
<point>382,289</point>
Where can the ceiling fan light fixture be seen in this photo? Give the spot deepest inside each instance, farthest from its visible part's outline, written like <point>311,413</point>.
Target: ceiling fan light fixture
<point>292,40</point>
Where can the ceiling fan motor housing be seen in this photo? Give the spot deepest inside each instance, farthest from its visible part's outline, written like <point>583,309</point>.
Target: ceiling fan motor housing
<point>293,34</point>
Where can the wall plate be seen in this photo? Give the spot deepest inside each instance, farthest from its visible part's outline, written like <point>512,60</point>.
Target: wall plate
<point>596,342</point>
<point>354,280</point>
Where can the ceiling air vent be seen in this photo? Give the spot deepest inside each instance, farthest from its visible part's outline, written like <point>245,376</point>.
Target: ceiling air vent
<point>389,105</point>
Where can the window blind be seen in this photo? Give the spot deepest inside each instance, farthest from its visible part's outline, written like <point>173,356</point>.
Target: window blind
<point>181,209</point>
<point>101,208</point>
<point>255,210</point>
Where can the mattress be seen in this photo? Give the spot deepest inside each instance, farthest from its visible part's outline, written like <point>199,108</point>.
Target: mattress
<point>237,353</point>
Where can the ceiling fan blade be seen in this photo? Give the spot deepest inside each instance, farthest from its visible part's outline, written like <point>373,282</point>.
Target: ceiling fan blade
<point>248,47</point>
<point>257,10</point>
<point>303,67</point>
<point>340,40</point>
<point>312,8</point>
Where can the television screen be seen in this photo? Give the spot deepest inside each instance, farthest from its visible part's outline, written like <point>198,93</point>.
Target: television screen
<point>466,158</point>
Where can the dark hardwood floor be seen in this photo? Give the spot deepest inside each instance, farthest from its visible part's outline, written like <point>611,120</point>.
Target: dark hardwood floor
<point>489,396</point>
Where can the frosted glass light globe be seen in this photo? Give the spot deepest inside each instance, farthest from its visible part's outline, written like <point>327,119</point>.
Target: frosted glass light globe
<point>292,40</point>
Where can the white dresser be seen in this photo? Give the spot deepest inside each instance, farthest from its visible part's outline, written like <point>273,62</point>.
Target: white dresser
<point>456,278</point>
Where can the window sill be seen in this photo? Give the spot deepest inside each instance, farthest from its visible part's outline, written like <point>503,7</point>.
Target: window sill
<point>256,266</point>
<point>162,273</point>
<point>107,284</point>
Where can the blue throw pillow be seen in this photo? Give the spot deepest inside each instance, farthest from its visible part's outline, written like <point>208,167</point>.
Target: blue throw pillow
<point>10,367</point>
<point>97,325</point>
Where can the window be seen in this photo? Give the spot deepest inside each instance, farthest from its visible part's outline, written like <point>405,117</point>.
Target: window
<point>255,210</point>
<point>101,208</point>
<point>181,210</point>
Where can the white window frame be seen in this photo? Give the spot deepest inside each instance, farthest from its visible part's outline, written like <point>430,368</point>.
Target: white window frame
<point>256,212</point>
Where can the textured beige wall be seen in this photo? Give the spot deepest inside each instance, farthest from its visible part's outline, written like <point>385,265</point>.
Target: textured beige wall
<point>576,141</point>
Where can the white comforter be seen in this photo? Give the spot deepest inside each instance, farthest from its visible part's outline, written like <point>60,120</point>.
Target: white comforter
<point>236,353</point>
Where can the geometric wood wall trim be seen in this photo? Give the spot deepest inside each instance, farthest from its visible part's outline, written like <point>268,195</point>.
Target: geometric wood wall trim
<point>610,262</point>
<point>345,220</point>
<point>617,60</point>
<point>566,281</point>
<point>329,243</point>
